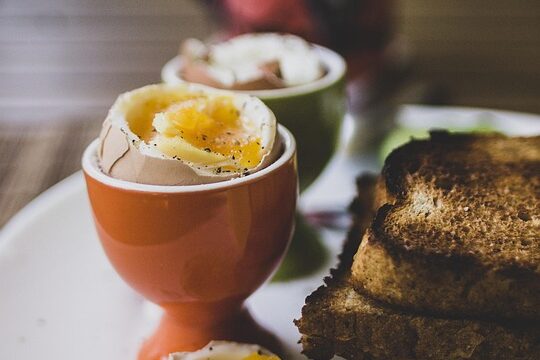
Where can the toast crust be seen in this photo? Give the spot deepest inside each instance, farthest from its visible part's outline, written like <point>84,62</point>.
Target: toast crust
<point>444,242</point>
<point>337,320</point>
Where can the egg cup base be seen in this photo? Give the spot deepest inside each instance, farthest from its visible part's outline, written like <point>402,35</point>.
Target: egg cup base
<point>175,335</point>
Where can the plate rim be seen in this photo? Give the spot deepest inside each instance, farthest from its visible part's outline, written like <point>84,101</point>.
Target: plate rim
<point>52,195</point>
<point>470,109</point>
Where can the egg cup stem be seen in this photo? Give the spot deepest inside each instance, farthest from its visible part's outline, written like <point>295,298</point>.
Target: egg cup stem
<point>177,332</point>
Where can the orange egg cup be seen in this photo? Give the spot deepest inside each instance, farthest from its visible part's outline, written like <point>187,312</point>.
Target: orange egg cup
<point>198,251</point>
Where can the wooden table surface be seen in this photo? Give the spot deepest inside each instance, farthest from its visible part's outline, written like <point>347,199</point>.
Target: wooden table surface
<point>62,64</point>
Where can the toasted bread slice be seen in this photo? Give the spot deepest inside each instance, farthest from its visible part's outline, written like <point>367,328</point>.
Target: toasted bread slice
<point>459,234</point>
<point>337,320</point>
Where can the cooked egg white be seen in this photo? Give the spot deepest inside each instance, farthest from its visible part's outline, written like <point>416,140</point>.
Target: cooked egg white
<point>226,350</point>
<point>239,60</point>
<point>208,134</point>
<point>210,131</point>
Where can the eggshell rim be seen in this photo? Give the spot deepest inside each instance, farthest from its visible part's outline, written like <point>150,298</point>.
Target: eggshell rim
<point>91,168</point>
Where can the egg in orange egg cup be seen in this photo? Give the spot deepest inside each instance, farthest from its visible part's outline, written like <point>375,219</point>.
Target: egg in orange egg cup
<point>198,251</point>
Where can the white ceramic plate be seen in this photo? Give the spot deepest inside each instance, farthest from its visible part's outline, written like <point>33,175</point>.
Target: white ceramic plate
<point>60,298</point>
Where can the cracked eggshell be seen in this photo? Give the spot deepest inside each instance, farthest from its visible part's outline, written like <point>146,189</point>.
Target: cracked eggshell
<point>251,62</point>
<point>124,155</point>
<point>199,72</point>
<point>197,69</point>
<point>223,350</point>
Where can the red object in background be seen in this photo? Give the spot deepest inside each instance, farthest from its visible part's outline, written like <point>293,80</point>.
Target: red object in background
<point>270,15</point>
<point>359,30</point>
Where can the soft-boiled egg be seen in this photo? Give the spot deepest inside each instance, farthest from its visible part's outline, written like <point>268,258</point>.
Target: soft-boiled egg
<point>226,350</point>
<point>251,62</point>
<point>186,134</point>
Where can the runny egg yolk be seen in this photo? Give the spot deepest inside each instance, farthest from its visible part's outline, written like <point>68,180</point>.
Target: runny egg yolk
<point>258,356</point>
<point>213,125</point>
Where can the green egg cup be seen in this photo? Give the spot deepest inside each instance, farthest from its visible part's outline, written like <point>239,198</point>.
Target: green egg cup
<point>314,118</point>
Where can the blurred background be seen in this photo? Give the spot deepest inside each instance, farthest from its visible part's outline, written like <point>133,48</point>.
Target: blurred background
<point>62,63</point>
